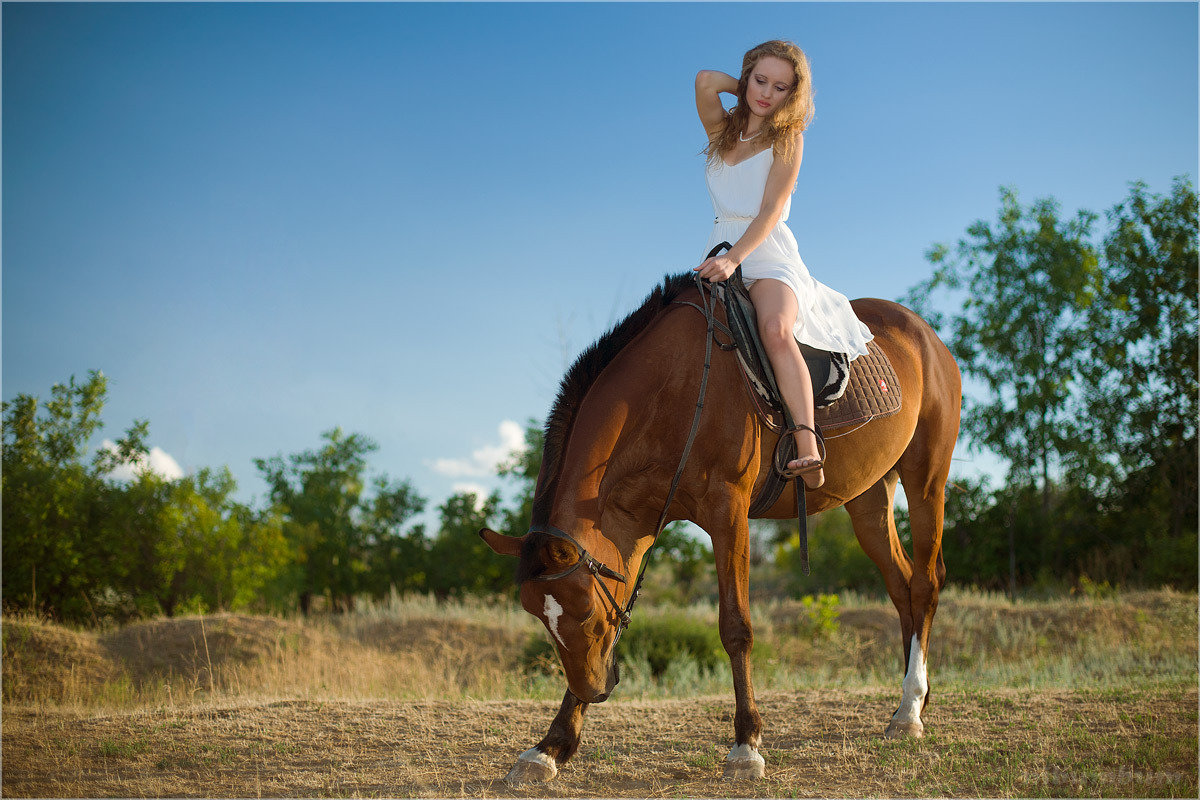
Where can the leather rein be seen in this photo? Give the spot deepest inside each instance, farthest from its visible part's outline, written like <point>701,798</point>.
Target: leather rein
<point>586,559</point>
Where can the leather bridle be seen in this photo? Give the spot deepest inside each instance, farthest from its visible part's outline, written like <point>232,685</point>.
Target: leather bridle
<point>586,559</point>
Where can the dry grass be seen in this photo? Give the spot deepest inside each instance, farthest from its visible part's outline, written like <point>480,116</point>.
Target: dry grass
<point>817,743</point>
<point>1135,639</point>
<point>1079,696</point>
<point>186,660</point>
<point>45,663</point>
<point>417,648</point>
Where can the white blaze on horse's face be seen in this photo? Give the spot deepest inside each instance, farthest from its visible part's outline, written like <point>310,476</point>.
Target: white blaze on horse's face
<point>580,630</point>
<point>553,611</point>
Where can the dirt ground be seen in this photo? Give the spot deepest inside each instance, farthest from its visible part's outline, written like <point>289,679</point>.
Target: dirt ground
<point>817,743</point>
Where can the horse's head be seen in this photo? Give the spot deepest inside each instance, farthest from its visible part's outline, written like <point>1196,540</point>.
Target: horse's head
<point>562,585</point>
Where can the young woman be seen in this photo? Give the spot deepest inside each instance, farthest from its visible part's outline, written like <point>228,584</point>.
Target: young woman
<point>753,158</point>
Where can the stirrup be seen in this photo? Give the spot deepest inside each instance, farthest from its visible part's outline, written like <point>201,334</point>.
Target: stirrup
<point>789,474</point>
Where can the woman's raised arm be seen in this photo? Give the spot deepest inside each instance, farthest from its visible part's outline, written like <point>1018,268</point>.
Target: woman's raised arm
<point>709,85</point>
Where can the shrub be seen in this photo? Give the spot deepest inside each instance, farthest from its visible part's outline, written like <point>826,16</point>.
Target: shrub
<point>654,640</point>
<point>837,560</point>
<point>821,615</point>
<point>539,655</point>
<point>659,640</point>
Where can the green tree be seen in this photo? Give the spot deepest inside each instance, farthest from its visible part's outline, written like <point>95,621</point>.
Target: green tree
<point>398,555</point>
<point>459,561</point>
<point>1085,359</point>
<point>837,560</point>
<point>144,546</point>
<point>226,555</point>
<point>82,545</point>
<point>317,492</point>
<point>687,558</point>
<point>1142,387</point>
<point>187,545</point>
<point>975,547</point>
<point>1026,284</point>
<point>522,467</point>
<point>54,499</point>
<point>338,534</point>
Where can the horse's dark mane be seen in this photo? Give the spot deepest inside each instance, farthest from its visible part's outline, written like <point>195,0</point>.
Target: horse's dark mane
<point>583,373</point>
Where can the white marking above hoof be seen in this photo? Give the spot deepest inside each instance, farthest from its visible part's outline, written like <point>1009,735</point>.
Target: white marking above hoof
<point>744,763</point>
<point>914,689</point>
<point>533,766</point>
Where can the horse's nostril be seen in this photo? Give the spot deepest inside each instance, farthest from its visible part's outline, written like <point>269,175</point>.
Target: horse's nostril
<point>600,698</point>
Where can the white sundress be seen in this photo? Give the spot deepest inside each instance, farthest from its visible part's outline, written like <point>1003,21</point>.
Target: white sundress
<point>825,321</point>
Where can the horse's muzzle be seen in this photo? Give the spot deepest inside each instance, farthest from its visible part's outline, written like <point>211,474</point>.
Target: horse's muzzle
<point>610,683</point>
<point>614,677</point>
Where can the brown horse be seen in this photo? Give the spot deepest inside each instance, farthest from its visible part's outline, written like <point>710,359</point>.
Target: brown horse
<point>613,442</point>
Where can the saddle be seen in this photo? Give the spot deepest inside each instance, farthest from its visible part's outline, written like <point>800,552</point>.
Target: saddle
<point>845,393</point>
<point>830,372</point>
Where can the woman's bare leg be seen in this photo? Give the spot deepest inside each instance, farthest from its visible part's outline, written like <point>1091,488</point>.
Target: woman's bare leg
<point>776,308</point>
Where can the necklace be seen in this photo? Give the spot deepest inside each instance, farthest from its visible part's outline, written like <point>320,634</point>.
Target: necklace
<point>747,138</point>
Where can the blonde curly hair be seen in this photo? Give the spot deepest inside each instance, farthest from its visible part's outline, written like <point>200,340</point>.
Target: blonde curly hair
<point>792,117</point>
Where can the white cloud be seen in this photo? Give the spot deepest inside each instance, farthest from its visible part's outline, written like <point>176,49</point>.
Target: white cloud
<point>157,461</point>
<point>483,462</point>
<point>466,487</point>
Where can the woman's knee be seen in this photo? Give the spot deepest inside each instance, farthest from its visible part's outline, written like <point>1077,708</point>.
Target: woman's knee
<point>776,333</point>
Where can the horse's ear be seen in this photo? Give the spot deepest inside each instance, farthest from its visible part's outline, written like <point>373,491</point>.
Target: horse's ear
<point>504,545</point>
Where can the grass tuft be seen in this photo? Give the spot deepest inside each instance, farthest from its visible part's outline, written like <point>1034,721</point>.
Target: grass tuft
<point>421,649</point>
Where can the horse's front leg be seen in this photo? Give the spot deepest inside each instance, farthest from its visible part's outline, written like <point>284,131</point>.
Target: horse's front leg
<point>540,763</point>
<point>732,556</point>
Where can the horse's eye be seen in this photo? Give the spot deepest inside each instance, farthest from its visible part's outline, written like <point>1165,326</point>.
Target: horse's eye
<point>558,556</point>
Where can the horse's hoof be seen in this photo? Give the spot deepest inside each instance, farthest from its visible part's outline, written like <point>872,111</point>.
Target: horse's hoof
<point>744,763</point>
<point>533,766</point>
<point>905,730</point>
<point>744,770</point>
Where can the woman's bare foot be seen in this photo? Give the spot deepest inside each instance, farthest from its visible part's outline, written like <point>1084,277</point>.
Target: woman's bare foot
<point>808,463</point>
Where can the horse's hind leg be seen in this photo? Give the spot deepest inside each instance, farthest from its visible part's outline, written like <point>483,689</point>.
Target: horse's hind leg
<point>540,763</point>
<point>924,474</point>
<point>875,527</point>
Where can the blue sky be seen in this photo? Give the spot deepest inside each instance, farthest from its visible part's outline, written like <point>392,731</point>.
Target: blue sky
<point>263,221</point>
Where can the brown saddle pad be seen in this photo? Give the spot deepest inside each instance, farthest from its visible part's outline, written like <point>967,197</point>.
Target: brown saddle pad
<point>873,392</point>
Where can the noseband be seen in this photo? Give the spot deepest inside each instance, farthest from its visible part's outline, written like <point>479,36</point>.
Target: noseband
<point>586,559</point>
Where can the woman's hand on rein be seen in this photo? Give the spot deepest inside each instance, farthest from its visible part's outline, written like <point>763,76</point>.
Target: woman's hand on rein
<point>717,268</point>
